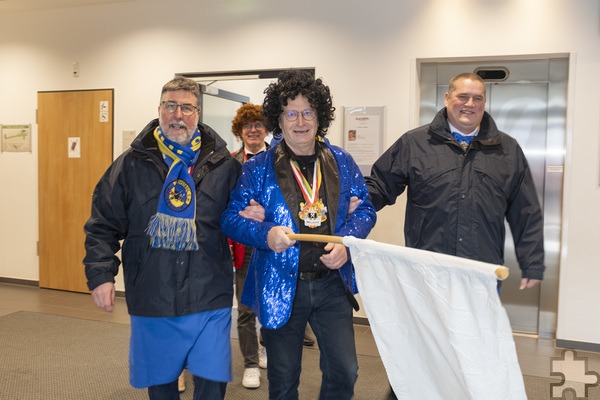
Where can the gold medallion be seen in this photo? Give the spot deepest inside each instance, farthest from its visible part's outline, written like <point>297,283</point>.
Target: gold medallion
<point>313,214</point>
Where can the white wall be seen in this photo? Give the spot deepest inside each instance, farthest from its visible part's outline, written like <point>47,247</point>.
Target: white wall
<point>366,53</point>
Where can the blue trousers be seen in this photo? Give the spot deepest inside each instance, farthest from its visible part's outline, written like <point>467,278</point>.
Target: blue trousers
<point>323,303</point>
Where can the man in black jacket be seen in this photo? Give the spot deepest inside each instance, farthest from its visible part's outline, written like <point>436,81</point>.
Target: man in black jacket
<point>461,188</point>
<point>464,178</point>
<point>163,198</point>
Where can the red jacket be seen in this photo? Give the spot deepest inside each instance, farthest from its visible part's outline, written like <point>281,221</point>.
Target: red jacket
<point>237,253</point>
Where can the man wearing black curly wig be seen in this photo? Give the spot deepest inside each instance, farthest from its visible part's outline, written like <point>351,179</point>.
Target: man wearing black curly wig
<point>304,184</point>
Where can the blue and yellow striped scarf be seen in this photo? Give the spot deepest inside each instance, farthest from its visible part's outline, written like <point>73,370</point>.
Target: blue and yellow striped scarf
<point>173,227</point>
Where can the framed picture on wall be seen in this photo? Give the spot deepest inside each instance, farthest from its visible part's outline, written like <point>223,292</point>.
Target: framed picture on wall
<point>16,138</point>
<point>363,135</point>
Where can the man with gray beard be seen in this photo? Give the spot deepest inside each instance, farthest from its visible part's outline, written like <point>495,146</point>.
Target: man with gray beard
<point>163,198</point>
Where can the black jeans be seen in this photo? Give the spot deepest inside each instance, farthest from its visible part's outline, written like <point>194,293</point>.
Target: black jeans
<point>323,303</point>
<point>203,389</point>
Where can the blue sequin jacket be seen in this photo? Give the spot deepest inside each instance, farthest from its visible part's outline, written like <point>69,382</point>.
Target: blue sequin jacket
<point>267,178</point>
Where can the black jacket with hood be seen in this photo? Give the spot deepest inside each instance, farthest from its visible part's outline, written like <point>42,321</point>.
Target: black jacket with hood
<point>159,282</point>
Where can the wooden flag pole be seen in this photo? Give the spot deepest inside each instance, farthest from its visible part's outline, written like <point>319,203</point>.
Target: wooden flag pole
<point>308,237</point>
<point>501,271</point>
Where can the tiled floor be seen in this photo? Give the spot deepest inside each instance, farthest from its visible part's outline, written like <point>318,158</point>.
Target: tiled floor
<point>534,354</point>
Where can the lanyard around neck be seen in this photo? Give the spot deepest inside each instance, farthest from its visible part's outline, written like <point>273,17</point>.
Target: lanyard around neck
<point>309,192</point>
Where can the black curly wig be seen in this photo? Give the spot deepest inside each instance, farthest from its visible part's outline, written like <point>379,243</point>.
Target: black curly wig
<point>289,85</point>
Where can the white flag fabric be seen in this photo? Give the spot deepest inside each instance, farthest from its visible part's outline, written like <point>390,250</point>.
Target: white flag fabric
<point>438,323</point>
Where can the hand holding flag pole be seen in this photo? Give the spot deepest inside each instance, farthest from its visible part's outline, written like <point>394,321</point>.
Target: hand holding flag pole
<point>501,271</point>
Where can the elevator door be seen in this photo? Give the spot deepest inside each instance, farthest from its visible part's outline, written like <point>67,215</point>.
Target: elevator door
<point>520,105</point>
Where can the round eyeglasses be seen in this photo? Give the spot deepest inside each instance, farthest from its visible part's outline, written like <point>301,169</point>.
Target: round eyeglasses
<point>171,106</point>
<point>257,125</point>
<point>292,115</point>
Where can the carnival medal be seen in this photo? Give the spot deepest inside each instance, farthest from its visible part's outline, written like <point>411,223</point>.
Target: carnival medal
<point>313,212</point>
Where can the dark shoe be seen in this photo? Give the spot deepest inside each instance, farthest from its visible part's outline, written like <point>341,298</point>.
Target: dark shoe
<point>391,394</point>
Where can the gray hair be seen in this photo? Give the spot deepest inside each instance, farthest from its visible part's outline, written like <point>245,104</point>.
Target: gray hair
<point>181,83</point>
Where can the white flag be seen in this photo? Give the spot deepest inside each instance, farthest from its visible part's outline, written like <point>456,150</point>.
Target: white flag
<point>438,323</point>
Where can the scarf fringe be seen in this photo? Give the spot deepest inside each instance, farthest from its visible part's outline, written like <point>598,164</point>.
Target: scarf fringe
<point>172,233</point>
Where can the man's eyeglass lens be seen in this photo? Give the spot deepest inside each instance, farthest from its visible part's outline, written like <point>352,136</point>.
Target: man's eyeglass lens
<point>257,125</point>
<point>292,115</point>
<point>186,109</point>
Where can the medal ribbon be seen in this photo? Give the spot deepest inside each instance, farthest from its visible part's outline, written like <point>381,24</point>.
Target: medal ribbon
<point>309,193</point>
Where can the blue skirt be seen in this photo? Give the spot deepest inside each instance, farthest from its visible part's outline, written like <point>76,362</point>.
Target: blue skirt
<point>161,347</point>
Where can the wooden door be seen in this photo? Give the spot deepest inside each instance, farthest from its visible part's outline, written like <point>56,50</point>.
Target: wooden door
<point>75,141</point>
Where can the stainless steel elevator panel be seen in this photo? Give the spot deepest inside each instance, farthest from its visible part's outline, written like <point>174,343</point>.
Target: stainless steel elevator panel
<point>530,105</point>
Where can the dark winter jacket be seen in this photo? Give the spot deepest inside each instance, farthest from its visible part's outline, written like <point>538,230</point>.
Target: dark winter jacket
<point>458,199</point>
<point>159,282</point>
